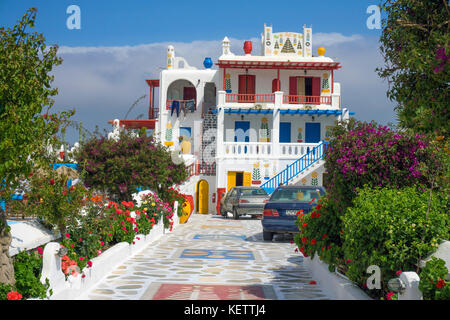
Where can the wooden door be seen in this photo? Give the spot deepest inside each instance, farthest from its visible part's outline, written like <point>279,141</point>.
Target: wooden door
<point>247,87</point>
<point>247,179</point>
<point>231,180</point>
<point>203,197</point>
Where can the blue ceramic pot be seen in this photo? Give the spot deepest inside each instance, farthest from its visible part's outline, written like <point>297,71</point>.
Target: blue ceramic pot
<point>208,63</point>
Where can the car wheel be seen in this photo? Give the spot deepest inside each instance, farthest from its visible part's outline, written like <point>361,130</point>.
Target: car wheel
<point>235,214</point>
<point>267,236</point>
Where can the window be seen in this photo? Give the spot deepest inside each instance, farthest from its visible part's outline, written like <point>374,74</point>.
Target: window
<point>301,194</point>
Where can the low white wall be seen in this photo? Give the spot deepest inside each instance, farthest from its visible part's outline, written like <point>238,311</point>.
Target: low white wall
<point>101,265</point>
<point>336,287</point>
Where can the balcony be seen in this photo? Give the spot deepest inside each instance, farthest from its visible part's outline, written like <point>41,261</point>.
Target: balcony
<point>266,150</point>
<point>280,100</point>
<point>315,100</point>
<point>249,98</point>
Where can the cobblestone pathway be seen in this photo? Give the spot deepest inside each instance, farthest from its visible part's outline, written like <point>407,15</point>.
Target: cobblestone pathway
<point>212,258</point>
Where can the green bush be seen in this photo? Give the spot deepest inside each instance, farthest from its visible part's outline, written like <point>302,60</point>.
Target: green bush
<point>368,154</point>
<point>119,168</point>
<point>432,280</point>
<point>392,228</point>
<point>27,269</point>
<point>54,202</point>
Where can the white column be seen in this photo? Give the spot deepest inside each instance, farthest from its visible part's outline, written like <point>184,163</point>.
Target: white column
<point>220,125</point>
<point>276,124</point>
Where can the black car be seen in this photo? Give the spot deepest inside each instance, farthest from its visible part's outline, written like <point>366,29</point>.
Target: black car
<point>280,212</point>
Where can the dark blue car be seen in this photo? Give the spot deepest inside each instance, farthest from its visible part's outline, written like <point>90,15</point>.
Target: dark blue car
<point>280,212</point>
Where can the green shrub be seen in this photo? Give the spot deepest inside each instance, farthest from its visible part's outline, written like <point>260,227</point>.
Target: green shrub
<point>389,228</point>
<point>432,280</point>
<point>54,202</point>
<point>368,154</point>
<point>119,168</point>
<point>27,269</point>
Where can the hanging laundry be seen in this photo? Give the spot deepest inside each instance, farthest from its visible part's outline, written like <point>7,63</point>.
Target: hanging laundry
<point>175,105</point>
<point>190,105</point>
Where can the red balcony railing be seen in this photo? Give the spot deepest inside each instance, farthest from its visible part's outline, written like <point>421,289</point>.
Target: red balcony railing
<point>249,98</point>
<point>288,99</point>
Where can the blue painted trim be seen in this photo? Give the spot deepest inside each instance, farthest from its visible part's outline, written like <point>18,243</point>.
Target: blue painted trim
<point>296,168</point>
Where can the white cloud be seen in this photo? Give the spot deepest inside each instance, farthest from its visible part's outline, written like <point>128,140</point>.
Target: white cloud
<point>101,83</point>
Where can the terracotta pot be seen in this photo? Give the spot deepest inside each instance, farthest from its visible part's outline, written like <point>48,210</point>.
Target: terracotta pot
<point>248,47</point>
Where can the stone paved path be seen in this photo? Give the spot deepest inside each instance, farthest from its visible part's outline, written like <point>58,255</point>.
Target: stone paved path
<point>212,258</point>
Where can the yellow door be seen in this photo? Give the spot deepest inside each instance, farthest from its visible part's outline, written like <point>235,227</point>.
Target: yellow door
<point>231,181</point>
<point>247,179</point>
<point>203,197</point>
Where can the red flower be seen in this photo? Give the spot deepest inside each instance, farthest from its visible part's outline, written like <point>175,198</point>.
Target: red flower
<point>348,261</point>
<point>81,258</point>
<point>389,295</point>
<point>304,225</point>
<point>398,272</point>
<point>52,181</point>
<point>441,284</point>
<point>324,236</point>
<point>89,263</point>
<point>313,241</point>
<point>304,240</point>
<point>14,295</point>
<point>67,235</point>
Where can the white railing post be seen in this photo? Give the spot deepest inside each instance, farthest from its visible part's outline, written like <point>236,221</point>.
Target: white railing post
<point>276,124</point>
<point>51,268</point>
<point>411,291</point>
<point>220,123</point>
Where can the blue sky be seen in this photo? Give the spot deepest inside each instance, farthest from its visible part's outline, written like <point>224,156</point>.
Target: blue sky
<point>122,43</point>
<point>133,22</point>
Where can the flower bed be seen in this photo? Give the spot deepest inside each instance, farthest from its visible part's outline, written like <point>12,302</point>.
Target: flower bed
<point>106,234</point>
<point>385,204</point>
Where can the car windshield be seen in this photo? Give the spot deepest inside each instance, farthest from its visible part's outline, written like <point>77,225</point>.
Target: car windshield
<point>297,194</point>
<point>252,192</point>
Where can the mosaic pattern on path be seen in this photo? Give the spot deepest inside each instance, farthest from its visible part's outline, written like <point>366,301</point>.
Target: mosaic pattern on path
<point>208,292</point>
<point>160,265</point>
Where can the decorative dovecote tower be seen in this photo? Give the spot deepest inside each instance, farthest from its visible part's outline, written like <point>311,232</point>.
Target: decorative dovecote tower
<point>286,43</point>
<point>226,47</point>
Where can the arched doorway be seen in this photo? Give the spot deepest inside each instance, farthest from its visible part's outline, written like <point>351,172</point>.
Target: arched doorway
<point>181,89</point>
<point>202,197</point>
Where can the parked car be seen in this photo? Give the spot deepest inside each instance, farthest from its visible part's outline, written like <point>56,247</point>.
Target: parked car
<point>244,201</point>
<point>280,212</point>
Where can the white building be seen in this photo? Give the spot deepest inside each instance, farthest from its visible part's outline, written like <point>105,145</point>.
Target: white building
<point>257,120</point>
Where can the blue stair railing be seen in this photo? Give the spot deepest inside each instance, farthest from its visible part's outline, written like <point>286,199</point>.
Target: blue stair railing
<point>298,166</point>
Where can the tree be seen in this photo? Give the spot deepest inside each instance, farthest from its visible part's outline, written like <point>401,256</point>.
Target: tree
<point>415,45</point>
<point>119,167</point>
<point>25,89</point>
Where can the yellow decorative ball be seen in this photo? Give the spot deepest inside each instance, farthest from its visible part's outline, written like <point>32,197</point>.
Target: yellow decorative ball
<point>321,51</point>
